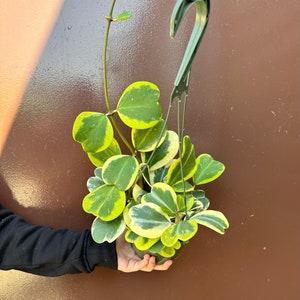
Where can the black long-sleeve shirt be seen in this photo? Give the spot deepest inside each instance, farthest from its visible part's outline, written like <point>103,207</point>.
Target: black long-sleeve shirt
<point>49,252</point>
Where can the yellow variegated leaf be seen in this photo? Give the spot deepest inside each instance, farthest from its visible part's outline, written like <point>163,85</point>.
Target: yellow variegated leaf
<point>167,252</point>
<point>148,139</point>
<point>164,196</point>
<point>182,231</point>
<point>93,131</point>
<point>148,220</point>
<point>208,169</point>
<point>130,236</point>
<point>174,174</point>
<point>107,231</point>
<point>212,219</point>
<point>105,202</point>
<point>121,171</point>
<point>143,243</point>
<point>164,154</point>
<point>99,158</point>
<point>138,106</point>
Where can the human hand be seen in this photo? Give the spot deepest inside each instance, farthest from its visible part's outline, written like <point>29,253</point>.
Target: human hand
<point>128,261</point>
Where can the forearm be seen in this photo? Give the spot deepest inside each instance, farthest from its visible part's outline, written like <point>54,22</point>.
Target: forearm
<point>45,251</point>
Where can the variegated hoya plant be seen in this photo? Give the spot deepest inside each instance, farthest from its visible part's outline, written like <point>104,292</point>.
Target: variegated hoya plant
<point>152,192</point>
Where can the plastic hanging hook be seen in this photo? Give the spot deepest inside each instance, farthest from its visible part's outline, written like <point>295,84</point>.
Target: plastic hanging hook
<point>180,9</point>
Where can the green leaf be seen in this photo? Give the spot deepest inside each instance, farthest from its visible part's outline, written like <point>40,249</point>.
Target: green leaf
<point>208,169</point>
<point>98,172</point>
<point>158,175</point>
<point>201,202</point>
<point>167,252</point>
<point>125,15</point>
<point>93,131</point>
<point>164,153</point>
<point>147,139</point>
<point>137,193</point>
<point>99,158</point>
<point>212,219</point>
<point>177,246</point>
<point>183,231</point>
<point>182,186</point>
<point>96,181</point>
<point>181,203</point>
<point>93,183</point>
<point>130,236</point>
<point>148,220</point>
<point>105,202</point>
<point>157,247</point>
<point>142,243</point>
<point>107,231</point>
<point>121,171</point>
<point>138,106</point>
<point>126,216</point>
<point>164,196</point>
<point>188,164</point>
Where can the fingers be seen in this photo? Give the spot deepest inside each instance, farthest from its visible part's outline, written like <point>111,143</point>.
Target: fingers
<point>143,264</point>
<point>151,264</point>
<point>165,266</point>
<point>147,264</point>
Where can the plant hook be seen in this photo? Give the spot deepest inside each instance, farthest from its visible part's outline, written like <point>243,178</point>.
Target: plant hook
<point>202,11</point>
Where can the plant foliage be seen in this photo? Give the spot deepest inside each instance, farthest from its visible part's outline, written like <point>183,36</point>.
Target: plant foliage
<point>153,192</point>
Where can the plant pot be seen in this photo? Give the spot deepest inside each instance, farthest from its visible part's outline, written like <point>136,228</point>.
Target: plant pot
<point>159,259</point>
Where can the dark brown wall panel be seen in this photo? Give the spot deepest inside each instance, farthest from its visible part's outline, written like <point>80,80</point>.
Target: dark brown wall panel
<point>244,109</point>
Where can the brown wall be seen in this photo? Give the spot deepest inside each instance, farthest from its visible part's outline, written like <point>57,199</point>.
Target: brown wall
<point>244,109</point>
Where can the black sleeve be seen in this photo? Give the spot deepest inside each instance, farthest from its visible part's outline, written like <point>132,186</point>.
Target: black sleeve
<point>49,252</point>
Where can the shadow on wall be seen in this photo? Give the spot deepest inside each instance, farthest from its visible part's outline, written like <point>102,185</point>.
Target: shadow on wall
<point>43,170</point>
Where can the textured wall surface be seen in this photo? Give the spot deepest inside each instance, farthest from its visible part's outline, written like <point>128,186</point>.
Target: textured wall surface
<point>244,109</point>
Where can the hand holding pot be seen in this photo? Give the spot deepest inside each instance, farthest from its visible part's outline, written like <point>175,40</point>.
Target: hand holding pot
<point>129,262</point>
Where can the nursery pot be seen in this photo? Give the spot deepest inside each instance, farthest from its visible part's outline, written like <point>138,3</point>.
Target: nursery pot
<point>159,259</point>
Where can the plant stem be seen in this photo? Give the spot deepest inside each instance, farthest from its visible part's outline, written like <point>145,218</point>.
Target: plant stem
<point>109,19</point>
<point>181,135</point>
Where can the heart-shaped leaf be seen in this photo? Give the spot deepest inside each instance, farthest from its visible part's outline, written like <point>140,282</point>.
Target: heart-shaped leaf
<point>121,171</point>
<point>99,158</point>
<point>160,249</point>
<point>168,252</point>
<point>201,202</point>
<point>208,169</point>
<point>98,172</point>
<point>142,243</point>
<point>212,219</point>
<point>107,231</point>
<point>164,196</point>
<point>164,153</point>
<point>183,186</point>
<point>105,202</point>
<point>188,164</point>
<point>182,231</point>
<point>138,106</point>
<point>131,236</point>
<point>96,181</point>
<point>148,220</point>
<point>147,139</point>
<point>93,131</point>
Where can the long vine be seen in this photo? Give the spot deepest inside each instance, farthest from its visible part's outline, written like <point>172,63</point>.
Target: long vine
<point>110,19</point>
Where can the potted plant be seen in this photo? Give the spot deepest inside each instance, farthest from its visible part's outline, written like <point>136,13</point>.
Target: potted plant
<point>151,190</point>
